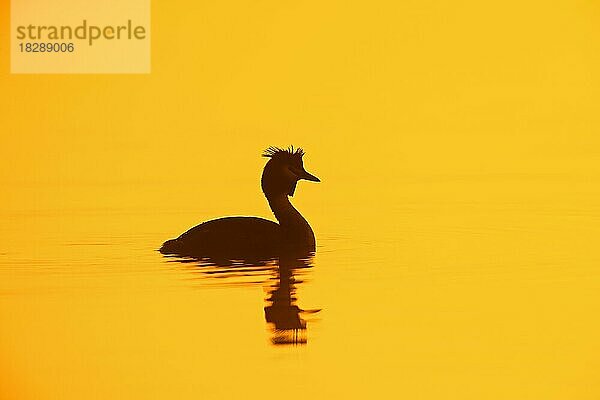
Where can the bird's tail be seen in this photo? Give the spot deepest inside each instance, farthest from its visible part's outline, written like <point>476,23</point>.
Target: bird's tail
<point>169,247</point>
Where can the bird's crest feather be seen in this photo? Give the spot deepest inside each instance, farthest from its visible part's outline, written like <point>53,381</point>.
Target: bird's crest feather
<point>276,152</point>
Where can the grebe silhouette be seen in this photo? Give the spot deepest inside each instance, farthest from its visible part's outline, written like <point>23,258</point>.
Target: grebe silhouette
<point>252,238</point>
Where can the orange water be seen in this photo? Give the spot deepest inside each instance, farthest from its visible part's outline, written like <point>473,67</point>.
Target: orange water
<point>475,296</point>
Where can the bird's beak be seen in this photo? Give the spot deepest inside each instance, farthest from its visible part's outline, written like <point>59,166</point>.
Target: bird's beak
<point>309,177</point>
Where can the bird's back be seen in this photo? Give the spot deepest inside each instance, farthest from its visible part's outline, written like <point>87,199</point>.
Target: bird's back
<point>230,237</point>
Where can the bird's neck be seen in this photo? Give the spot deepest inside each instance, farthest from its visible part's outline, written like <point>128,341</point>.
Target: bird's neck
<point>285,212</point>
<point>290,219</point>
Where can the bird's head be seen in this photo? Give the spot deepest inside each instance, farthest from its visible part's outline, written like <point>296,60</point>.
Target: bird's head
<point>283,171</point>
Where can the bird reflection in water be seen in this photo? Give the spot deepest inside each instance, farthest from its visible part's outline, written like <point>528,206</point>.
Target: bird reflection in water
<point>285,318</point>
<point>288,325</point>
<point>242,246</point>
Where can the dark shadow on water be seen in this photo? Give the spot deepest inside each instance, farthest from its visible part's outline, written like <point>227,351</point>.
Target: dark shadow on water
<point>285,318</point>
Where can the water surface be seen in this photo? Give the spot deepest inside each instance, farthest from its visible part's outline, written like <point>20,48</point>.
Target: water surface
<point>466,287</point>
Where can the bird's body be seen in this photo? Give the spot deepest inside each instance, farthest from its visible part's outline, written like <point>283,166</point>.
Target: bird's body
<point>253,238</point>
<point>233,237</point>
